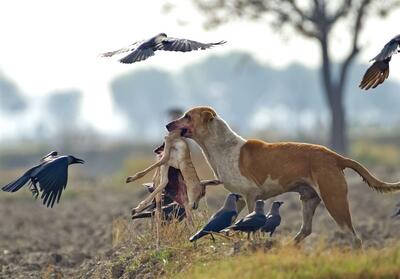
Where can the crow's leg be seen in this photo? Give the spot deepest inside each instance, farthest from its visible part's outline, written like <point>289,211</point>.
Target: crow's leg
<point>212,236</point>
<point>34,189</point>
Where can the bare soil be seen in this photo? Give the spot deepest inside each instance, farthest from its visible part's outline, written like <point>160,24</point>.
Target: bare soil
<point>74,239</point>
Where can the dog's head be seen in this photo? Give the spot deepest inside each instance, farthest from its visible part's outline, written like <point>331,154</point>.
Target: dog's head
<point>194,123</point>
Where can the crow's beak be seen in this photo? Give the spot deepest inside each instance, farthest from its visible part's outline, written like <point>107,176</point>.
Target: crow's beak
<point>79,161</point>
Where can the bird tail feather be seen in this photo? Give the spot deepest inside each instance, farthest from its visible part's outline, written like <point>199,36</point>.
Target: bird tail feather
<point>198,235</point>
<point>16,185</point>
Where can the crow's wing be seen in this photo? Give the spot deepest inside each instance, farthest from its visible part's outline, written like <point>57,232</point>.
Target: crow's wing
<point>375,75</point>
<point>137,55</point>
<point>253,222</point>
<point>388,50</point>
<point>20,182</point>
<point>220,221</point>
<point>121,50</point>
<point>271,223</point>
<point>49,156</point>
<point>184,45</point>
<point>53,179</point>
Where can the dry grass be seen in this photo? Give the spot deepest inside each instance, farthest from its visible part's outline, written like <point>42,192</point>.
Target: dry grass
<point>276,258</point>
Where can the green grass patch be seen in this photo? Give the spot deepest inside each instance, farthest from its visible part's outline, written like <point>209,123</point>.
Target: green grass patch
<point>292,262</point>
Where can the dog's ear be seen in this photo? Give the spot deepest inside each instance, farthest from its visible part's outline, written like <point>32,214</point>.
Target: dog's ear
<point>207,116</point>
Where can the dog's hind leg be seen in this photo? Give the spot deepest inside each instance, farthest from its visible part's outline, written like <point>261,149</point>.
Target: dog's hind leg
<point>333,190</point>
<point>310,201</point>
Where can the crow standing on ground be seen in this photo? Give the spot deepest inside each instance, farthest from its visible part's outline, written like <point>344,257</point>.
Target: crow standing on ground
<point>223,218</point>
<point>273,219</point>
<point>252,222</point>
<point>379,70</point>
<point>142,50</point>
<point>51,174</point>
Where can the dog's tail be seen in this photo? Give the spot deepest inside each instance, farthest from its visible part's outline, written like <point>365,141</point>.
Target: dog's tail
<point>372,181</point>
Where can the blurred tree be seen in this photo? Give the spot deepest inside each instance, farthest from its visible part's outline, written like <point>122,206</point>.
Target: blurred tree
<point>144,96</point>
<point>314,19</point>
<point>11,99</point>
<point>64,108</point>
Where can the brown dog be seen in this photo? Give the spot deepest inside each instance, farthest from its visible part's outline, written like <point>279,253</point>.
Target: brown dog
<point>174,153</point>
<point>261,170</point>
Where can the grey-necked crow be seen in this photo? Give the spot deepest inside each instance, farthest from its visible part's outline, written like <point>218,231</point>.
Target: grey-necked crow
<point>222,219</point>
<point>379,70</point>
<point>273,218</point>
<point>252,222</point>
<point>51,174</point>
<point>142,50</point>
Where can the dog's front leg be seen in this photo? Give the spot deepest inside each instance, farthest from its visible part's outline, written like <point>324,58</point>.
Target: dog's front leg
<point>250,202</point>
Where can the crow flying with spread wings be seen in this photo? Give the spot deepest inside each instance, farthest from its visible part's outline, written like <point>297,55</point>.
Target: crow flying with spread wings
<point>142,50</point>
<point>379,70</point>
<point>51,175</point>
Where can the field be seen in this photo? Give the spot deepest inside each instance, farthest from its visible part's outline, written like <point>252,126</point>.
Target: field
<point>90,235</point>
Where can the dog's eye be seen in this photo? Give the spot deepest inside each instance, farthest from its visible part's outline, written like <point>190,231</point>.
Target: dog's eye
<point>187,116</point>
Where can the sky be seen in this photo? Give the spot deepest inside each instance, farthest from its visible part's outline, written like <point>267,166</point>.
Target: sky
<point>49,45</point>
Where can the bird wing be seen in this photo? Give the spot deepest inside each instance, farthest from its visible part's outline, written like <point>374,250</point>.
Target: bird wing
<point>255,221</point>
<point>388,50</point>
<point>375,75</point>
<point>271,223</point>
<point>137,55</point>
<point>220,221</point>
<point>49,156</point>
<point>121,50</point>
<point>53,179</point>
<point>184,45</point>
<point>20,182</point>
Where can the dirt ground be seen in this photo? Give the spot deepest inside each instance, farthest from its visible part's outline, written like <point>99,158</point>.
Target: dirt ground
<point>73,239</point>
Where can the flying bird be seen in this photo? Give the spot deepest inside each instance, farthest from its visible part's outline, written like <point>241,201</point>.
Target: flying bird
<point>273,219</point>
<point>142,50</point>
<point>379,70</point>
<point>252,222</point>
<point>51,175</point>
<point>222,219</point>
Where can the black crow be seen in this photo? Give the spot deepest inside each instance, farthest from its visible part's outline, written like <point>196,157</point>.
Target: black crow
<point>142,50</point>
<point>222,219</point>
<point>273,219</point>
<point>379,70</point>
<point>51,174</point>
<point>252,222</point>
